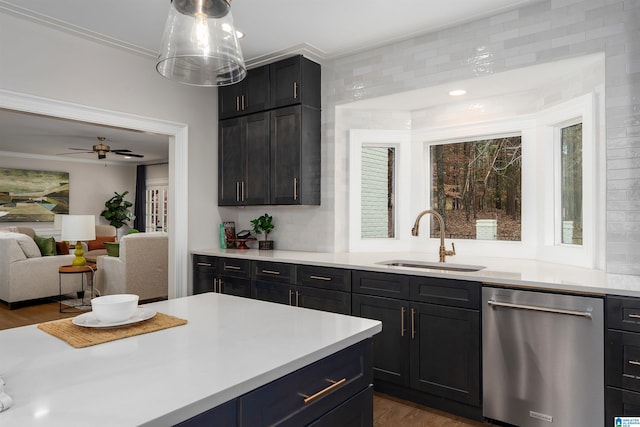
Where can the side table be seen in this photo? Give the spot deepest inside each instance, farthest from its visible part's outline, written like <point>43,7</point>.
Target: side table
<point>85,270</point>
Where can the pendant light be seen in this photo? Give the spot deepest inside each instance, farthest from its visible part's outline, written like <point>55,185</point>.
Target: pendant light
<point>200,45</point>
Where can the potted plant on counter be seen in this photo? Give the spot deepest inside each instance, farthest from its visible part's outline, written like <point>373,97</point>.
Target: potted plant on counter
<point>264,225</point>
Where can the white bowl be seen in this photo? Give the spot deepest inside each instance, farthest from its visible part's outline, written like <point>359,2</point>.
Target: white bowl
<point>114,308</point>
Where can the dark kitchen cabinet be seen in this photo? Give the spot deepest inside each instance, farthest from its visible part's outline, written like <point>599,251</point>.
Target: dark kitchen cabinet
<point>221,275</point>
<point>243,153</point>
<point>391,346</point>
<point>268,155</point>
<point>430,341</point>
<point>294,81</point>
<point>622,358</point>
<point>224,415</point>
<point>247,96</point>
<point>295,156</point>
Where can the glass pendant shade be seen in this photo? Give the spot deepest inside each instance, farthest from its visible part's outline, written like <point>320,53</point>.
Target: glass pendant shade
<point>201,49</point>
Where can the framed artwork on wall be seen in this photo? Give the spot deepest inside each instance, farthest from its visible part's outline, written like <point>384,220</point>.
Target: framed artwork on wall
<point>32,195</point>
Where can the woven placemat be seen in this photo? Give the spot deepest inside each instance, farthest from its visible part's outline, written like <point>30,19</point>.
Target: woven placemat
<point>79,336</point>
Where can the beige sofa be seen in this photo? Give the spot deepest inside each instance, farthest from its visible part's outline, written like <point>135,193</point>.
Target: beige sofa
<point>24,273</point>
<point>141,268</point>
<point>101,231</point>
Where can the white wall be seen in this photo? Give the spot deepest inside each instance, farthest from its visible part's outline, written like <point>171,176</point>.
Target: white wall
<point>50,63</point>
<point>90,184</point>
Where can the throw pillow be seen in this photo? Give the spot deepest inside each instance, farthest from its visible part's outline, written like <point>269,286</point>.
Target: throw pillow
<point>28,246</point>
<point>99,242</point>
<point>47,245</point>
<point>62,248</point>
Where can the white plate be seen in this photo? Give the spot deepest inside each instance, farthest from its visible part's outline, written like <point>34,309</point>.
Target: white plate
<point>89,320</point>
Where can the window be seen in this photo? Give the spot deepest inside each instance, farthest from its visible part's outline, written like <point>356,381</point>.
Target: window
<point>377,195</point>
<point>476,187</point>
<point>571,183</point>
<point>156,218</point>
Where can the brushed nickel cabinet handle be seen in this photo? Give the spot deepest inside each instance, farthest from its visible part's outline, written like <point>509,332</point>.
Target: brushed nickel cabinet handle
<point>215,285</point>
<point>634,316</point>
<point>634,362</point>
<point>237,103</point>
<point>243,106</point>
<point>295,90</point>
<point>413,323</point>
<point>402,329</point>
<point>333,386</point>
<point>231,267</point>
<point>204,264</point>
<point>242,189</point>
<point>237,191</point>
<point>277,273</point>
<point>326,279</point>
<point>295,188</point>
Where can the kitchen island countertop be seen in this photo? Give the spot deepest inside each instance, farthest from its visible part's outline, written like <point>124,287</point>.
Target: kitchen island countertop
<point>502,271</point>
<point>229,347</point>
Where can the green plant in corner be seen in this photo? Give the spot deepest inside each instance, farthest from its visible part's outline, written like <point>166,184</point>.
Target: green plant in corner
<point>263,224</point>
<point>117,210</point>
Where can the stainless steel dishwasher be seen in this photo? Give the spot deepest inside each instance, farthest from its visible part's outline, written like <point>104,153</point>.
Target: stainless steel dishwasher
<point>543,358</point>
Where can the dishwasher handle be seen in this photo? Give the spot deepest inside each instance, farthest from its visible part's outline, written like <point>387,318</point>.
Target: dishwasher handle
<point>538,308</point>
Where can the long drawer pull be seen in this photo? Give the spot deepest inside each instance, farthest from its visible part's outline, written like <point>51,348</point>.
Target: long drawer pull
<point>204,264</point>
<point>326,279</point>
<point>634,316</point>
<point>333,386</point>
<point>537,308</point>
<point>277,273</point>
<point>231,267</point>
<point>634,362</point>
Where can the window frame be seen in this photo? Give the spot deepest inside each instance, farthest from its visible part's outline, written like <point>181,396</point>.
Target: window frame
<point>162,186</point>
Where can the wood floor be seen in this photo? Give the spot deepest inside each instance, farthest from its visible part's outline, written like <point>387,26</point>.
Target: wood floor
<point>387,411</point>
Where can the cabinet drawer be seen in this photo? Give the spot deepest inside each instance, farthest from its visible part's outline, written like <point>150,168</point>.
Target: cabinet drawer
<point>324,299</point>
<point>623,360</point>
<point>204,263</point>
<point>274,271</point>
<point>234,267</point>
<point>456,293</point>
<point>381,284</point>
<point>623,313</point>
<point>324,385</point>
<point>356,412</point>
<point>337,279</point>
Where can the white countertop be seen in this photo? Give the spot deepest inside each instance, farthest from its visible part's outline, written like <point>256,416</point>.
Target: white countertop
<point>503,271</point>
<point>230,346</point>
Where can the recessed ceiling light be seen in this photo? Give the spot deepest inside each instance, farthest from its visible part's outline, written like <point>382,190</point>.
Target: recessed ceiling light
<point>457,92</point>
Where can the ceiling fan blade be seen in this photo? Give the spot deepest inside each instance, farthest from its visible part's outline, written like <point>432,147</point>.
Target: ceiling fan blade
<point>124,151</point>
<point>128,154</point>
<point>81,149</point>
<point>82,152</point>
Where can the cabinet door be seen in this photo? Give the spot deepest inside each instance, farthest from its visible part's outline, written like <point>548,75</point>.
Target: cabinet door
<point>445,352</point>
<point>235,286</point>
<point>285,156</point>
<point>273,292</point>
<point>257,89</point>
<point>231,161</point>
<point>203,282</point>
<point>391,346</point>
<point>229,98</point>
<point>295,81</point>
<point>255,187</point>
<point>324,299</point>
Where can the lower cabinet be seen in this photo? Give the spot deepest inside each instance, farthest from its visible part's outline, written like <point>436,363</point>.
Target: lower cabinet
<point>333,392</point>
<point>426,352</point>
<point>221,275</point>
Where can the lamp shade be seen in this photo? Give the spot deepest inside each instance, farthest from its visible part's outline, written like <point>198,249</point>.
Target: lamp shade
<point>200,49</point>
<point>57,221</point>
<point>78,228</point>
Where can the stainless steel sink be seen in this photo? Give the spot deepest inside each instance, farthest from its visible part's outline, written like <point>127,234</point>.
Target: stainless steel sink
<point>432,265</point>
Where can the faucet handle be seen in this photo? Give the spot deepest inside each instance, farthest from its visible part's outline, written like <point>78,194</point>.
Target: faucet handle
<point>452,251</point>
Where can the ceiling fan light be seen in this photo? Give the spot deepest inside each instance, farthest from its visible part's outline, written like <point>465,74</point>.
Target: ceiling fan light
<point>199,49</point>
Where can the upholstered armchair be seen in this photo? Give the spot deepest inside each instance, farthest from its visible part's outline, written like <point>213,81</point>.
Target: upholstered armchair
<point>141,268</point>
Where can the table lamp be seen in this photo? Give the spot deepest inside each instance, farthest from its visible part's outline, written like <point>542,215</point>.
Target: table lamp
<point>78,228</point>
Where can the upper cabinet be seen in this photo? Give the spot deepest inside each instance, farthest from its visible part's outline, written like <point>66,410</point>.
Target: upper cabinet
<point>295,81</point>
<point>269,136</point>
<point>246,97</point>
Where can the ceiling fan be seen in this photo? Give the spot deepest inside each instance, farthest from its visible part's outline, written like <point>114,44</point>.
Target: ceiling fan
<point>102,149</point>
